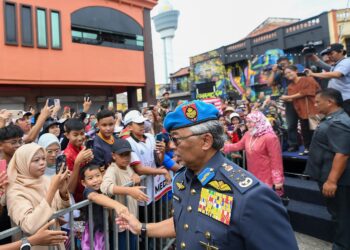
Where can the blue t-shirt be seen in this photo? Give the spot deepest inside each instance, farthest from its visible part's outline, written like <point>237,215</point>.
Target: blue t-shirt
<point>341,84</point>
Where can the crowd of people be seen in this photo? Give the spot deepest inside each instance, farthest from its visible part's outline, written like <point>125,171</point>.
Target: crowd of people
<point>50,161</point>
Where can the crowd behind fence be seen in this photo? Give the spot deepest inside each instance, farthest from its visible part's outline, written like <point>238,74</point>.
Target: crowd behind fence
<point>163,243</point>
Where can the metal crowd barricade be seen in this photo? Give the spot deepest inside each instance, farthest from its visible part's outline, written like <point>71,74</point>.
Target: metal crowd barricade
<point>86,203</point>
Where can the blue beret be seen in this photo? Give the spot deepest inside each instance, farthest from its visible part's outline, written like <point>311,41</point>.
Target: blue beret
<point>189,114</point>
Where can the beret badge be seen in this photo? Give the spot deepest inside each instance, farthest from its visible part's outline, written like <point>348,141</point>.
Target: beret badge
<point>191,112</point>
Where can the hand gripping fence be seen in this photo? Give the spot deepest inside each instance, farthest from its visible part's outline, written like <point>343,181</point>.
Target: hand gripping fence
<point>162,213</point>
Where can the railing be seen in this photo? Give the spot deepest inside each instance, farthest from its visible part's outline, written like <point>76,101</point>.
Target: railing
<point>86,203</point>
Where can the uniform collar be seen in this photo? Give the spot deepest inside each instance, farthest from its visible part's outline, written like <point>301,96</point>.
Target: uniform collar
<point>331,115</point>
<point>214,163</point>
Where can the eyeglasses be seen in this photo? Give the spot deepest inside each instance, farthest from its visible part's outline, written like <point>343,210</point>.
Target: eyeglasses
<point>15,142</point>
<point>53,151</point>
<point>177,140</point>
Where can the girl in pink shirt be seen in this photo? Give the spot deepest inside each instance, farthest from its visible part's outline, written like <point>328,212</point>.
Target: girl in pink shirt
<point>263,151</point>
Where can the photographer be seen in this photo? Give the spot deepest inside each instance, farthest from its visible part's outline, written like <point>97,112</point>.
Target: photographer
<point>278,79</point>
<point>339,74</point>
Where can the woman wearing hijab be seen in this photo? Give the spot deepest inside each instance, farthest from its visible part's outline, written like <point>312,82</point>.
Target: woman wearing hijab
<point>31,198</point>
<point>263,150</point>
<point>53,148</point>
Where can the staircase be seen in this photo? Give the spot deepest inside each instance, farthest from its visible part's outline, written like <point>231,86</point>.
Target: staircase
<point>307,210</point>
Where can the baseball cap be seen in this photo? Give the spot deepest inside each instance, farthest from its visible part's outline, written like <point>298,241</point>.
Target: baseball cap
<point>234,115</point>
<point>134,116</point>
<point>19,114</point>
<point>121,146</point>
<point>335,47</point>
<point>48,123</point>
<point>229,109</point>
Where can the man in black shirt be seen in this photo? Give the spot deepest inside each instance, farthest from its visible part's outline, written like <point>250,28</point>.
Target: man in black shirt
<point>329,163</point>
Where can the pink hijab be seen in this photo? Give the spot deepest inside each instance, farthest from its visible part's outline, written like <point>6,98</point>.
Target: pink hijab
<point>262,125</point>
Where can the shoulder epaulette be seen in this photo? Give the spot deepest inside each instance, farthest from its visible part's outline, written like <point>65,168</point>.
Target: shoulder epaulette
<point>179,172</point>
<point>238,177</point>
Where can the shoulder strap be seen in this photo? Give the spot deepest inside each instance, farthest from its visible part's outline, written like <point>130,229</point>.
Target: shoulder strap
<point>238,177</point>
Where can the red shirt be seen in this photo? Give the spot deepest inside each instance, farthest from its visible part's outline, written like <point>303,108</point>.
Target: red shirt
<point>71,153</point>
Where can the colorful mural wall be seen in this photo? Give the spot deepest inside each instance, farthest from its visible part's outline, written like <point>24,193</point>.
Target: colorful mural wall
<point>246,79</point>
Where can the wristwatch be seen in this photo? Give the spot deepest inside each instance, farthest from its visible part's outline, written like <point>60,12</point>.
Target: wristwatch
<point>143,230</point>
<point>25,244</point>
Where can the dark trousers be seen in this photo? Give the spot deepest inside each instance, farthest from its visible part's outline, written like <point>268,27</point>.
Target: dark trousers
<point>292,123</point>
<point>306,132</point>
<point>346,106</point>
<point>339,208</point>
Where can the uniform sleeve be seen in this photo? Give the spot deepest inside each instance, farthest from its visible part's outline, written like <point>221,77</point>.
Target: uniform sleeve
<point>109,180</point>
<point>229,147</point>
<point>264,222</point>
<point>274,151</point>
<point>339,138</point>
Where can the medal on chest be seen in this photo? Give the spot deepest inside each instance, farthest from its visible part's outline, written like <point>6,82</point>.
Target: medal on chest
<point>216,205</point>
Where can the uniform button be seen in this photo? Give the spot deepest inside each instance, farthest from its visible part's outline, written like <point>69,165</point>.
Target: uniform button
<point>193,191</point>
<point>207,235</point>
<point>189,209</point>
<point>186,227</point>
<point>183,245</point>
<point>172,211</point>
<point>211,169</point>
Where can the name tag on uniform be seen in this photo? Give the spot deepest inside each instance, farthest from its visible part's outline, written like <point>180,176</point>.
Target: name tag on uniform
<point>216,205</point>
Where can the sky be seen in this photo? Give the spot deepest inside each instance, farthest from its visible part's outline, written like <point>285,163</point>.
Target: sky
<point>207,25</point>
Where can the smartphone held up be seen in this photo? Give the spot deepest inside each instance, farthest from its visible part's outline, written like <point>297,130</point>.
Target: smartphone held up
<point>61,162</point>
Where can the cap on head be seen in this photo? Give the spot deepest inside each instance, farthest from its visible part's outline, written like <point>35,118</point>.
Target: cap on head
<point>189,114</point>
<point>48,123</point>
<point>336,47</point>
<point>134,116</point>
<point>229,109</point>
<point>234,115</point>
<point>121,146</point>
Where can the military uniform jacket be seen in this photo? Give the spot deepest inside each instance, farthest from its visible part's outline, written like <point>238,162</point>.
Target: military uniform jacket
<point>225,207</point>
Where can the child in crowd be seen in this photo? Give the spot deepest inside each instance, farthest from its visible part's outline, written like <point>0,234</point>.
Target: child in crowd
<point>10,141</point>
<point>91,179</point>
<point>105,138</point>
<point>117,175</point>
<point>77,155</point>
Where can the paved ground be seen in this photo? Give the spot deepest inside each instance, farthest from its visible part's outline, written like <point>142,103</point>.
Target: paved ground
<point>306,242</point>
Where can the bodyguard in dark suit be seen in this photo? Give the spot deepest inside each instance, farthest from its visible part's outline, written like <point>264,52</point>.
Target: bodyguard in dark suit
<point>329,163</point>
<point>217,204</point>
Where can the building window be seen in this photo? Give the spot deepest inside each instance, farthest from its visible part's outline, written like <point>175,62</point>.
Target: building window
<point>10,23</point>
<point>41,28</point>
<point>107,27</point>
<point>26,25</point>
<point>55,29</point>
<point>107,38</point>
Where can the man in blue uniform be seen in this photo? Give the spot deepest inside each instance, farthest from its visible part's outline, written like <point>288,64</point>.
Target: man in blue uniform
<point>329,163</point>
<point>217,204</point>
